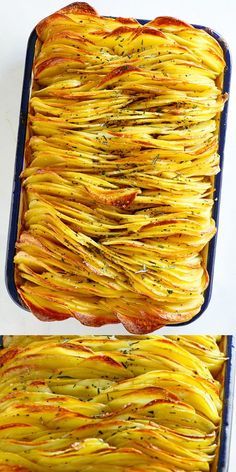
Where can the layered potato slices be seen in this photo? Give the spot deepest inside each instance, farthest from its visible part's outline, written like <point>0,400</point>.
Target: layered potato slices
<point>118,184</point>
<point>96,404</point>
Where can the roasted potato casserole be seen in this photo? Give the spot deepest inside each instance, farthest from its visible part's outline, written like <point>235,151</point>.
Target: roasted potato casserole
<point>120,159</point>
<point>96,404</point>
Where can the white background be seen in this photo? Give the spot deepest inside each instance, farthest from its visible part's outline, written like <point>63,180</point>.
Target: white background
<point>18,18</point>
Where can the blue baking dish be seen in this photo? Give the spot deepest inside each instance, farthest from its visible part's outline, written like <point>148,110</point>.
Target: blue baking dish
<point>19,162</point>
<point>221,463</point>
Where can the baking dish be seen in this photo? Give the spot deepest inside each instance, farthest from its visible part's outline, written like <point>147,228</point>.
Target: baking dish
<point>226,376</point>
<point>15,211</point>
